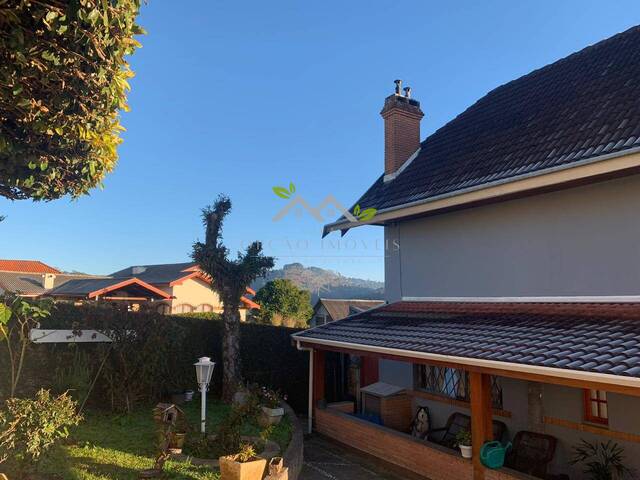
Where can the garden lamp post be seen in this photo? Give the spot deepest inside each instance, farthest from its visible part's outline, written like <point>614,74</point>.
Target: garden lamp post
<point>204,370</point>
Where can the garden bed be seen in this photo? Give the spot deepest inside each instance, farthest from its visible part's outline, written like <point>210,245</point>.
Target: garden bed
<point>107,446</point>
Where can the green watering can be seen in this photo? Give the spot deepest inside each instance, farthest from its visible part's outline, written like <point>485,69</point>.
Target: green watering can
<point>492,454</point>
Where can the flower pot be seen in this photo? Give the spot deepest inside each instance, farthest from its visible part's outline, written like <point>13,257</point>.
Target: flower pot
<point>270,416</point>
<point>465,450</point>
<point>188,395</point>
<point>177,442</point>
<point>231,469</point>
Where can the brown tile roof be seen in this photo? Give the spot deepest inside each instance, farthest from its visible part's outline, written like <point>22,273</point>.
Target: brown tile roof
<point>587,337</point>
<point>26,266</point>
<point>583,106</point>
<point>340,308</point>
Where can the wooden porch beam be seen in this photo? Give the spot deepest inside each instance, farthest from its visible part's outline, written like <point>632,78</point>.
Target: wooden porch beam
<point>534,377</point>
<point>481,418</point>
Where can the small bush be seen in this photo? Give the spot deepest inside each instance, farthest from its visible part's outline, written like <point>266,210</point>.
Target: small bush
<point>30,427</point>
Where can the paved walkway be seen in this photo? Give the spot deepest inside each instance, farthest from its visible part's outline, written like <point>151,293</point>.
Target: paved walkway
<point>325,460</point>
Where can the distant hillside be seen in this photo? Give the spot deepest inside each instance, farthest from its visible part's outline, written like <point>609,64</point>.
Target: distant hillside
<point>325,283</point>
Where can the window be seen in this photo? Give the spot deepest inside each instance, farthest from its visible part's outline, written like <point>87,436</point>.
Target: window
<point>595,407</point>
<point>452,383</point>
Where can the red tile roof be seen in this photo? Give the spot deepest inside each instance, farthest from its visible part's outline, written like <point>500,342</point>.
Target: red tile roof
<point>26,266</point>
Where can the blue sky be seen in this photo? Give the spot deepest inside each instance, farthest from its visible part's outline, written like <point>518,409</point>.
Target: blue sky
<point>238,97</point>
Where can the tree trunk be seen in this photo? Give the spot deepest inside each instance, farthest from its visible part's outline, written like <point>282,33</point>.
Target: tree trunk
<point>231,374</point>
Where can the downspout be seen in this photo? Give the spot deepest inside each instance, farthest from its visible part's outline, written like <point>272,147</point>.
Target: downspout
<point>310,407</point>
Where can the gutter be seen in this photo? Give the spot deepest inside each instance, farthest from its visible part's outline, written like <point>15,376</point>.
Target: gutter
<point>389,212</point>
<point>560,373</point>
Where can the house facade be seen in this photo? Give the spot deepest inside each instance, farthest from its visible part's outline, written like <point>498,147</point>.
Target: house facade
<point>187,288</point>
<point>513,296</point>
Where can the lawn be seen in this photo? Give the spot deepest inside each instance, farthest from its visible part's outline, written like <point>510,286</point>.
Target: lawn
<point>106,446</point>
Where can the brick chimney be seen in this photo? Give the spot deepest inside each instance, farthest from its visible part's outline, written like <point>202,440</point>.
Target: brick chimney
<point>402,117</point>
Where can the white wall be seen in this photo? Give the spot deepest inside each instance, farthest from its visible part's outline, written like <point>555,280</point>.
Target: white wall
<point>580,241</point>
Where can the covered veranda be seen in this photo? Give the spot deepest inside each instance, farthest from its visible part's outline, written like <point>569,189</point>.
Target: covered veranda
<point>593,345</point>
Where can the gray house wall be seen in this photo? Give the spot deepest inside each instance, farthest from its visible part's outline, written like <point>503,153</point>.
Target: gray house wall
<point>580,241</point>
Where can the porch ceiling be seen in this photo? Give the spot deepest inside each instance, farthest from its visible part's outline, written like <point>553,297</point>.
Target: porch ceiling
<point>587,341</point>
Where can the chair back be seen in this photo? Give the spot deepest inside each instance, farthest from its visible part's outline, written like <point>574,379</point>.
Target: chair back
<point>456,423</point>
<point>531,453</point>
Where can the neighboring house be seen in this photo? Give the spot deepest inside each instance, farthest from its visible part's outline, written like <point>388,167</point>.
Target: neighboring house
<point>187,287</point>
<point>513,275</point>
<point>36,279</point>
<point>169,288</point>
<point>329,309</point>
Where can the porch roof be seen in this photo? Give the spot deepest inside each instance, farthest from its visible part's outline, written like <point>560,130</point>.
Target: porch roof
<point>599,340</point>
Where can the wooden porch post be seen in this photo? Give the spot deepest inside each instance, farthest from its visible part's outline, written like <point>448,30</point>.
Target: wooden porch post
<point>318,376</point>
<point>481,418</point>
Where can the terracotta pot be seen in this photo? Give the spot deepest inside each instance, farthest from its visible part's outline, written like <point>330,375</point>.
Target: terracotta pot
<point>270,416</point>
<point>230,469</point>
<point>465,450</point>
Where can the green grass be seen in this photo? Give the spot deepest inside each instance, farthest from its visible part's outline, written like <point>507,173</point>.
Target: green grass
<point>106,446</point>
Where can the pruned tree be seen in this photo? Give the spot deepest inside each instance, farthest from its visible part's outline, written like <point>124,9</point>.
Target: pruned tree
<point>63,82</point>
<point>229,278</point>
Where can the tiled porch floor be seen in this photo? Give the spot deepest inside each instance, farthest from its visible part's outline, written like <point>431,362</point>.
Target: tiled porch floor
<point>325,460</point>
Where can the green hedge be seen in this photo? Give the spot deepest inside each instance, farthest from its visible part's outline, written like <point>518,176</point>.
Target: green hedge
<point>155,356</point>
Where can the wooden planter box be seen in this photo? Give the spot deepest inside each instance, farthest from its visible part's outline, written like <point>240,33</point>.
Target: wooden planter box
<point>230,469</point>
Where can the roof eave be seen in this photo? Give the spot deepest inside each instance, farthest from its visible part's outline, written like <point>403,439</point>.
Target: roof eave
<point>510,368</point>
<point>590,168</point>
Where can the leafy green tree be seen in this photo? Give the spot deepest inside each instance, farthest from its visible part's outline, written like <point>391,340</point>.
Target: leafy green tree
<point>63,81</point>
<point>229,278</point>
<point>283,303</point>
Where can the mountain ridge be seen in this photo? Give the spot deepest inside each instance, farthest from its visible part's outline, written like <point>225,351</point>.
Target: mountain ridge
<point>325,283</point>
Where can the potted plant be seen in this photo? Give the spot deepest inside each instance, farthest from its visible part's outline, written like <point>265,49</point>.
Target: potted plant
<point>602,461</point>
<point>244,465</point>
<point>464,442</point>
<point>272,412</point>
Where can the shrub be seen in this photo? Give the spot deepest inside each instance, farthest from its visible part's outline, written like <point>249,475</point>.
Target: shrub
<point>602,461</point>
<point>246,454</point>
<point>269,398</point>
<point>30,427</point>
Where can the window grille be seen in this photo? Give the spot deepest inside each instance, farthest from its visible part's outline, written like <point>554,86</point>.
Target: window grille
<point>453,383</point>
